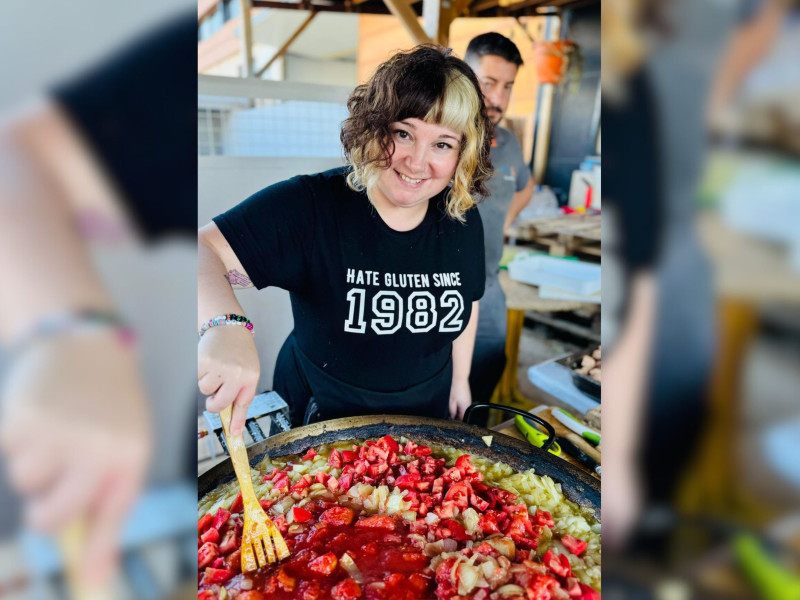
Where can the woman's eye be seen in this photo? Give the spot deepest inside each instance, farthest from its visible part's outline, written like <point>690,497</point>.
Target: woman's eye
<point>403,135</point>
<point>443,145</point>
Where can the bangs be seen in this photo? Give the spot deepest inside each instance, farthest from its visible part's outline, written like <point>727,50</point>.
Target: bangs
<point>448,99</point>
<point>457,107</point>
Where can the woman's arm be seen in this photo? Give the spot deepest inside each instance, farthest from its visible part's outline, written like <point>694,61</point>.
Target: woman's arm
<point>463,345</point>
<point>227,364</point>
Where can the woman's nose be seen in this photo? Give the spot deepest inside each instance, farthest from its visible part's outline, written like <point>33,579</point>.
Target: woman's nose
<point>415,159</point>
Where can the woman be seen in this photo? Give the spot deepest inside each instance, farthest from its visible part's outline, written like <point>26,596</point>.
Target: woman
<point>382,258</point>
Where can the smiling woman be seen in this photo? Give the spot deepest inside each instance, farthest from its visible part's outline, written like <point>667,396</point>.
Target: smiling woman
<point>383,258</point>
<point>395,117</point>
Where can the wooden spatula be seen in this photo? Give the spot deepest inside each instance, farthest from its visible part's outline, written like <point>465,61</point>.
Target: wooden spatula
<point>260,532</point>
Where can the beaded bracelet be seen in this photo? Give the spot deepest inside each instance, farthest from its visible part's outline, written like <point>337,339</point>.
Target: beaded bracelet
<point>226,320</point>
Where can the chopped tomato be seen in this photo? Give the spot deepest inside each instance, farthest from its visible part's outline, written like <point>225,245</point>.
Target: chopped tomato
<point>322,477</point>
<point>229,542</point>
<point>325,564</point>
<point>479,503</point>
<point>207,553</point>
<point>488,524</point>
<point>423,451</point>
<point>346,590</point>
<point>212,535</point>
<point>574,545</point>
<point>238,504</point>
<point>221,517</point>
<point>309,590</point>
<point>345,481</point>
<point>464,464</point>
<point>335,459</point>
<point>332,484</point>
<point>301,515</point>
<point>407,481</point>
<point>281,524</point>
<point>377,522</point>
<point>266,503</point>
<point>410,448</point>
<point>458,493</point>
<point>588,593</point>
<point>391,443</point>
<point>251,595</point>
<point>218,562</point>
<point>310,454</point>
<point>557,563</point>
<point>541,587</point>
<point>233,562</point>
<point>418,583</point>
<point>213,576</point>
<point>337,515</point>
<point>207,595</point>
<point>457,529</point>
<point>542,517</point>
<point>349,456</point>
<point>204,522</point>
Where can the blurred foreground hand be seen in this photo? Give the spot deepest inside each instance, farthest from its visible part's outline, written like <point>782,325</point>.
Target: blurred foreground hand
<point>76,436</point>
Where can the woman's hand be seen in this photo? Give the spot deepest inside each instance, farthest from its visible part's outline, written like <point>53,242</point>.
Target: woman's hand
<point>76,434</point>
<point>460,398</point>
<point>228,371</point>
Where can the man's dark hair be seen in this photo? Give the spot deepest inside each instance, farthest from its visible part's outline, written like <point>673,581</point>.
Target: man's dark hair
<point>493,43</point>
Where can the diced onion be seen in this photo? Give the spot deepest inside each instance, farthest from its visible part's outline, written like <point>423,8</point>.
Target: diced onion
<point>349,565</point>
<point>246,584</point>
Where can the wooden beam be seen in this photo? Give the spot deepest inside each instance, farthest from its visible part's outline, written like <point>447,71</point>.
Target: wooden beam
<point>366,7</point>
<point>288,43</point>
<point>403,11</point>
<point>247,39</point>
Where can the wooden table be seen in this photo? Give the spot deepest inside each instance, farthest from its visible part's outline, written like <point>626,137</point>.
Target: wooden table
<point>521,297</point>
<point>564,235</point>
<point>748,273</point>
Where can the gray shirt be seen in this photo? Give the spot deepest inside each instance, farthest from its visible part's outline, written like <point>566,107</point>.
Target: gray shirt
<point>511,175</point>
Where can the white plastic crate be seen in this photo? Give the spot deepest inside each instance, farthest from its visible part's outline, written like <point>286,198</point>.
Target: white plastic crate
<point>568,275</point>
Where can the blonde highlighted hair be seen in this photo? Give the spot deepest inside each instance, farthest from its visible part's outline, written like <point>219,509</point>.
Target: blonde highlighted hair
<point>430,84</point>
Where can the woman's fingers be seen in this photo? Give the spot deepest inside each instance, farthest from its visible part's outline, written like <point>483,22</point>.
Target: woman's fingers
<point>34,468</point>
<point>223,397</point>
<point>101,546</point>
<point>68,498</point>
<point>240,406</point>
<point>209,383</point>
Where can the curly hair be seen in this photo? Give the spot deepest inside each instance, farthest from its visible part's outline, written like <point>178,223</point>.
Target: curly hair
<point>430,84</point>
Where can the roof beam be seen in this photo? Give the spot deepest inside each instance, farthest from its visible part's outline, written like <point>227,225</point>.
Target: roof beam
<point>288,43</point>
<point>403,11</point>
<point>247,39</point>
<point>366,7</point>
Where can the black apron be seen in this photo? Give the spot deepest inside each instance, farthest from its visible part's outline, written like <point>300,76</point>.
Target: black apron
<point>297,379</point>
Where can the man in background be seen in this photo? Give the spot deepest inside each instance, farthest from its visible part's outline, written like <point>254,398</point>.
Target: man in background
<point>496,60</point>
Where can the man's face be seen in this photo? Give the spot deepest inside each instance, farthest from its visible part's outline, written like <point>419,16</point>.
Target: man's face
<point>496,76</point>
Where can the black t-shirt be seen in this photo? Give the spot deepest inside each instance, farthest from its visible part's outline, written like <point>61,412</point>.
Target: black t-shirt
<point>373,307</point>
<point>138,112</point>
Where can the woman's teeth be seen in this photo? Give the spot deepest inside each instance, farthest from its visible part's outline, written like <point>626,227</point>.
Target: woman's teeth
<point>408,179</point>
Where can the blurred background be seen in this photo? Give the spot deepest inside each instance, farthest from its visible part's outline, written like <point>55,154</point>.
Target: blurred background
<point>701,302</point>
<point>97,369</point>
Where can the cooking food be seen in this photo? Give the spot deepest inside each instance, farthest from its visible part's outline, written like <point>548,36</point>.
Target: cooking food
<point>591,364</point>
<point>391,519</point>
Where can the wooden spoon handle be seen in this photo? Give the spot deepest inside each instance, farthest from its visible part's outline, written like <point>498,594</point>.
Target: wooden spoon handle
<point>238,451</point>
<point>72,542</point>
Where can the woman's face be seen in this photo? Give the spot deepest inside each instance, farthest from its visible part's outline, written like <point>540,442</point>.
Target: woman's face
<point>424,161</point>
